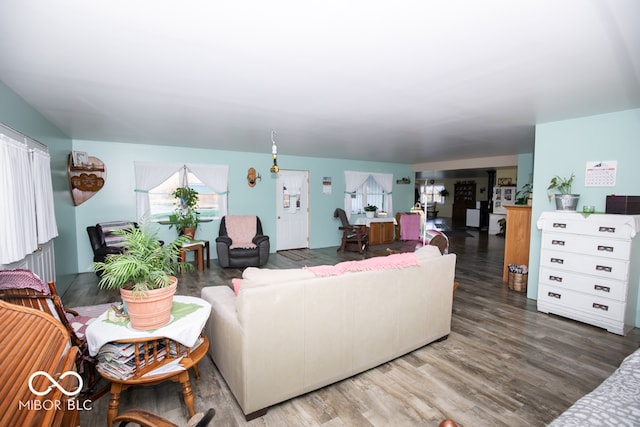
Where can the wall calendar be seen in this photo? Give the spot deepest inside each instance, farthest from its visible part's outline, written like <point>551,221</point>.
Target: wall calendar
<point>601,174</point>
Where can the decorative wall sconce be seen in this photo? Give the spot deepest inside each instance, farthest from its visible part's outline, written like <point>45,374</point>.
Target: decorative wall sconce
<point>274,153</point>
<point>253,177</point>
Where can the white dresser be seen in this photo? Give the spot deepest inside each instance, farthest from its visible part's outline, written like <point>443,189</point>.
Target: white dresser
<point>589,268</point>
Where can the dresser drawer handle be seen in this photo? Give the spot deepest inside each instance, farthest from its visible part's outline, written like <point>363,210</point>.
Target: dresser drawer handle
<point>605,248</point>
<point>555,278</point>
<point>604,268</point>
<point>607,229</point>
<point>557,260</point>
<point>602,288</point>
<point>559,225</point>
<point>601,306</point>
<point>557,242</point>
<point>554,295</point>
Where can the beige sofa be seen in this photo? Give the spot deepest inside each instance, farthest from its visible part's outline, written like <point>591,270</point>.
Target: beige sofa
<point>288,332</point>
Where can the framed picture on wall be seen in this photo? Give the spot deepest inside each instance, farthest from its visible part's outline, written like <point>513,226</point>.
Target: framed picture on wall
<point>504,181</point>
<point>80,158</point>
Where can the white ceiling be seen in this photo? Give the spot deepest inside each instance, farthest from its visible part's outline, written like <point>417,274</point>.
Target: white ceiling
<point>402,81</point>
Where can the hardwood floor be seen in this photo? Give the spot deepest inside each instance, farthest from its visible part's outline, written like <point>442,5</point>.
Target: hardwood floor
<point>504,364</point>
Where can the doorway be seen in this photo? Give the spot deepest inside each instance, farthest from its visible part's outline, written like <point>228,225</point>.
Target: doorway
<point>292,210</point>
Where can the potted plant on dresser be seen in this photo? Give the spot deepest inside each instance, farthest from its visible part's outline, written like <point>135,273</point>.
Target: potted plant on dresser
<point>145,275</point>
<point>565,200</point>
<point>185,217</point>
<point>370,210</point>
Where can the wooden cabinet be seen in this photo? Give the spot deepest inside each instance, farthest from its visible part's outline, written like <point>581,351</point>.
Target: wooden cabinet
<point>381,233</point>
<point>464,197</point>
<point>589,268</point>
<point>517,236</point>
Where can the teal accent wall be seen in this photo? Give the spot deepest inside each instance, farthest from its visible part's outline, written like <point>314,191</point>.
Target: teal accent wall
<point>525,169</point>
<point>17,114</point>
<point>565,147</point>
<point>116,200</point>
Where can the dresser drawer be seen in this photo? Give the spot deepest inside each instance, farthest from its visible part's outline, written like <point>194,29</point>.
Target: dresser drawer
<point>598,266</point>
<point>588,245</point>
<point>589,304</point>
<point>600,287</point>
<point>594,225</point>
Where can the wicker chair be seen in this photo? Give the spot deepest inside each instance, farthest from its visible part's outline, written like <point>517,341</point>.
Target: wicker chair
<point>34,342</point>
<point>23,287</point>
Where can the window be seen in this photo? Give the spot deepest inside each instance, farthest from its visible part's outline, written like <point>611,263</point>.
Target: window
<point>431,193</point>
<point>155,181</point>
<point>369,193</point>
<point>162,203</point>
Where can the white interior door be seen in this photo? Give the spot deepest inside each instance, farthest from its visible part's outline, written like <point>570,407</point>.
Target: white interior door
<point>292,209</point>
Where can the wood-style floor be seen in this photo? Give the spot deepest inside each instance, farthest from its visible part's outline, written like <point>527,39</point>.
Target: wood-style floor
<point>504,364</point>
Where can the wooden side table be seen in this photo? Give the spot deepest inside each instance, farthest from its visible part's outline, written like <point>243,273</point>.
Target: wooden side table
<point>201,248</point>
<point>147,351</point>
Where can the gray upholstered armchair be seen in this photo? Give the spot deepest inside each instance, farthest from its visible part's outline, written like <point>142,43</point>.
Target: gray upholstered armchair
<point>240,242</point>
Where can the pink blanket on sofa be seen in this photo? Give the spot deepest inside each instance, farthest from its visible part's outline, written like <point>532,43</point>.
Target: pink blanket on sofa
<point>376,263</point>
<point>241,229</point>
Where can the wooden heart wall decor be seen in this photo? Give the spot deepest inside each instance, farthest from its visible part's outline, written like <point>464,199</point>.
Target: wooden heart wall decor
<point>86,178</point>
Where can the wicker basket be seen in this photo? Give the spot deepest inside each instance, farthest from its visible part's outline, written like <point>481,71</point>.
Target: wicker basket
<point>518,282</point>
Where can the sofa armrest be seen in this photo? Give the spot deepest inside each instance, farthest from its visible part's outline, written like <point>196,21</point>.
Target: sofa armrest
<point>225,335</point>
<point>224,239</point>
<point>259,239</point>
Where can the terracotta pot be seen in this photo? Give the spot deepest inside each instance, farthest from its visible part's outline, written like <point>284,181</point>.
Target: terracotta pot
<point>152,310</point>
<point>190,232</point>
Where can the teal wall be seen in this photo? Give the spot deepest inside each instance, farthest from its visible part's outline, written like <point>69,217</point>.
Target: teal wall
<point>525,169</point>
<point>17,114</point>
<point>116,200</point>
<point>565,147</point>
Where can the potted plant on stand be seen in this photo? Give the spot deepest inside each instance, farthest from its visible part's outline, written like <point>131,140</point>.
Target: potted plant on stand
<point>565,200</point>
<point>185,217</point>
<point>144,274</point>
<point>370,210</point>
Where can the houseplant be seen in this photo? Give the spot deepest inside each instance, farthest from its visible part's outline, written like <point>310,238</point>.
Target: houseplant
<point>185,217</point>
<point>144,274</point>
<point>565,200</point>
<point>523,196</point>
<point>370,210</point>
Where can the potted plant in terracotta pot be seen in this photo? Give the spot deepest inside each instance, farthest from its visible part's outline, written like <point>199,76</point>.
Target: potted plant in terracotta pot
<point>185,217</point>
<point>370,210</point>
<point>565,200</point>
<point>145,275</point>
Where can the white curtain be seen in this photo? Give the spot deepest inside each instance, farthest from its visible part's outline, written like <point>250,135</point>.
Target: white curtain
<point>151,174</point>
<point>216,177</point>
<point>148,176</point>
<point>386,182</point>
<point>353,180</point>
<point>26,211</point>
<point>45,215</point>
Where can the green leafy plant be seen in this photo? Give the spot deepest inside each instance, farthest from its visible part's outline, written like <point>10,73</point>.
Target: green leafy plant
<point>145,263</point>
<point>444,192</point>
<point>522,196</point>
<point>561,185</point>
<point>185,216</point>
<point>370,208</point>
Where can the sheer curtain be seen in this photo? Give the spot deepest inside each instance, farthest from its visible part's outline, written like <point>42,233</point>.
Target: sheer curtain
<point>386,182</point>
<point>353,180</point>
<point>216,177</point>
<point>26,212</point>
<point>148,176</point>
